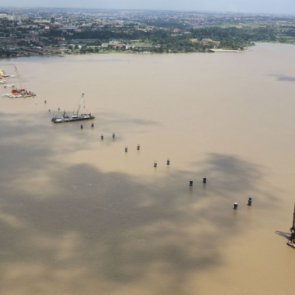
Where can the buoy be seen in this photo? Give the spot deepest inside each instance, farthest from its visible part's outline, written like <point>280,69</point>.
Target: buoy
<point>155,164</point>
<point>138,147</point>
<point>191,183</point>
<point>101,136</point>
<point>250,202</point>
<point>114,135</point>
<point>126,149</point>
<point>92,125</point>
<point>81,126</point>
<point>168,161</point>
<point>204,180</point>
<point>236,206</point>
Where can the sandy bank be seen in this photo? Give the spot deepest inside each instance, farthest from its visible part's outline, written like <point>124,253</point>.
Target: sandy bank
<point>228,50</point>
<point>2,72</point>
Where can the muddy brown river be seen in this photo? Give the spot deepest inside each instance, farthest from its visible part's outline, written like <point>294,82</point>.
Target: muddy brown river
<point>79,216</point>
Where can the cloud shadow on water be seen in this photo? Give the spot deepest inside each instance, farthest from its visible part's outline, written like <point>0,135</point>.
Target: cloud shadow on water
<point>103,232</point>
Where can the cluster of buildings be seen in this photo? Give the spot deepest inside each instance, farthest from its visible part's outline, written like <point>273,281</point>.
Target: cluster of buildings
<point>25,32</point>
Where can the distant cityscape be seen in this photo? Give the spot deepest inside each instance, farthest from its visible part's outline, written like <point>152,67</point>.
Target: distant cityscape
<point>47,31</point>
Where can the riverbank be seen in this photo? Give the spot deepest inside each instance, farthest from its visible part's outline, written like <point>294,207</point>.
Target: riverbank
<point>226,50</point>
<point>112,52</point>
<point>229,50</point>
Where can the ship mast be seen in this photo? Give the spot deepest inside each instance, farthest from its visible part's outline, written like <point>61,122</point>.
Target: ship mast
<point>294,218</point>
<point>18,77</point>
<point>293,227</point>
<point>83,104</point>
<point>80,102</point>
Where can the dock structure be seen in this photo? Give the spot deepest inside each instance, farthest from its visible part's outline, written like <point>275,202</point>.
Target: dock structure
<point>291,241</point>
<point>292,238</point>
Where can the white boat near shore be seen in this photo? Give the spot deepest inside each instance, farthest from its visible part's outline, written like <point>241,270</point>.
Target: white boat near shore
<point>9,85</point>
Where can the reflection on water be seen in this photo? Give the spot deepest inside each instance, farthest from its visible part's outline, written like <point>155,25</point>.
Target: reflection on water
<point>78,215</point>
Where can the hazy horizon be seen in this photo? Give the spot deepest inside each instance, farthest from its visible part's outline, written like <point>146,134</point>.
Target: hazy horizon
<point>237,6</point>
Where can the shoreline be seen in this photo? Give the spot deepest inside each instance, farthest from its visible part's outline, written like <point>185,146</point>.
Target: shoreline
<point>229,50</point>
<point>111,52</point>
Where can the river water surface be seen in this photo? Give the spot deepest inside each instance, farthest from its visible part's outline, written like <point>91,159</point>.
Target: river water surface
<point>80,216</point>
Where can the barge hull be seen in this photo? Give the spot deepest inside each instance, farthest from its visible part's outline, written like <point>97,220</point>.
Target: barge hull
<point>71,120</point>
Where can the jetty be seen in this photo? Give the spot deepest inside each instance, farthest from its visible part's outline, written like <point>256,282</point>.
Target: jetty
<point>291,241</point>
<point>2,73</point>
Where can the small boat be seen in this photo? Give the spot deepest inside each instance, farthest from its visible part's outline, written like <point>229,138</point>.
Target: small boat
<point>19,92</point>
<point>3,74</point>
<point>65,118</point>
<point>9,85</point>
<point>6,76</point>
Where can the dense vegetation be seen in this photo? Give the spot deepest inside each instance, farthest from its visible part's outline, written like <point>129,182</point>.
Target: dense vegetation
<point>169,41</point>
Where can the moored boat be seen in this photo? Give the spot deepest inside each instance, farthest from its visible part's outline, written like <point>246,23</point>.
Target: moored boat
<point>19,92</point>
<point>6,76</point>
<point>65,118</point>
<point>8,85</point>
